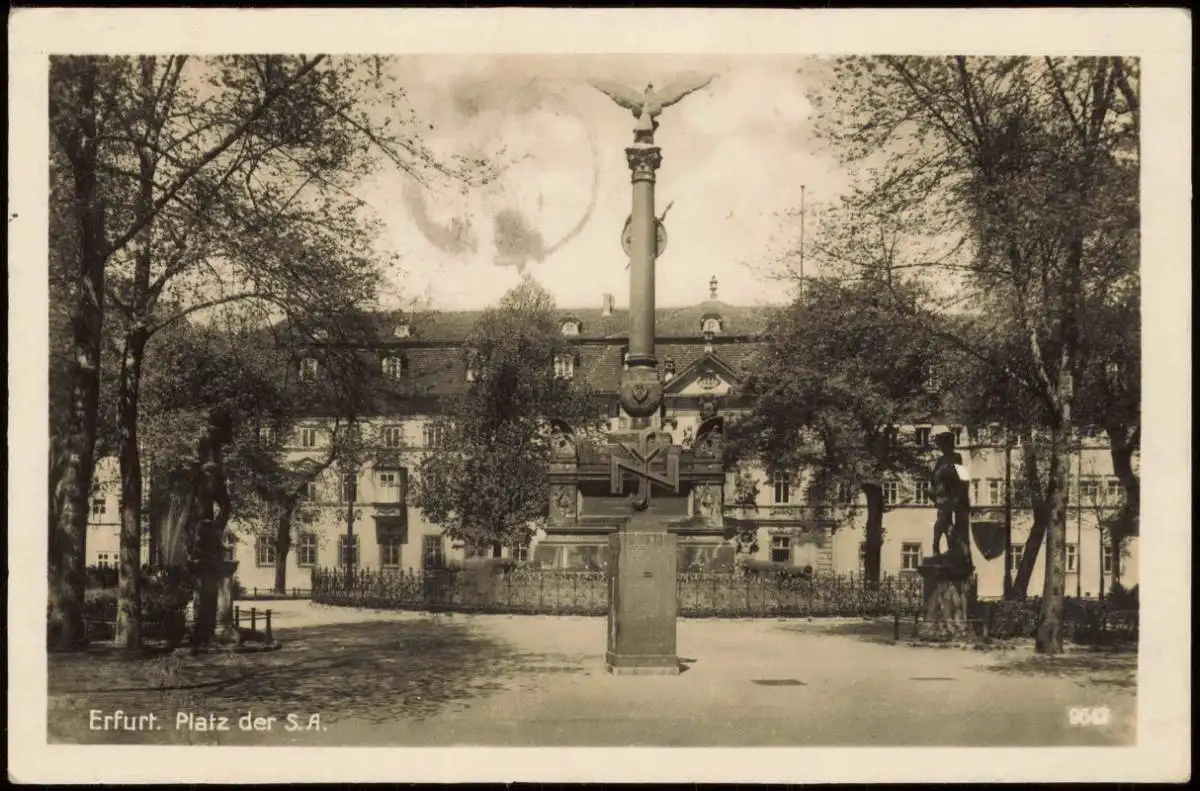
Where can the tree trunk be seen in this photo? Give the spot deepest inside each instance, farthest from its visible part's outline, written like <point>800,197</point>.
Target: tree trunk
<point>874,533</point>
<point>283,544</point>
<point>129,592</point>
<point>1037,533</point>
<point>68,537</point>
<point>1125,522</point>
<point>1050,627</point>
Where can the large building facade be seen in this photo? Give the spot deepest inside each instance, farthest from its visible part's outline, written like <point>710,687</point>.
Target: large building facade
<point>704,351</point>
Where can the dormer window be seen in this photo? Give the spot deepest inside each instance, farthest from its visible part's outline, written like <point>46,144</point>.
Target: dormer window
<point>571,327</point>
<point>308,369</point>
<point>710,325</point>
<point>564,366</point>
<point>402,330</point>
<point>708,380</point>
<point>395,366</point>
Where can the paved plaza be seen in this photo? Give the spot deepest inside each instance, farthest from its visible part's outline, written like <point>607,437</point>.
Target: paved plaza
<point>384,678</point>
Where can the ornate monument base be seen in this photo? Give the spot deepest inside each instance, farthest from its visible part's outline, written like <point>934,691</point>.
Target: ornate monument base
<point>642,599</point>
<point>947,597</point>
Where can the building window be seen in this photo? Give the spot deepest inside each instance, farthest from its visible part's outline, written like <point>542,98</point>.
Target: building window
<point>402,330</point>
<point>393,436</point>
<point>308,494</point>
<point>264,551</point>
<point>308,369</point>
<point>862,557</point>
<point>708,381</point>
<point>922,494</point>
<point>933,379</point>
<point>348,550</point>
<point>910,557</point>
<point>845,493</point>
<point>1112,494</point>
<point>395,367</point>
<point>435,435</point>
<point>389,551</point>
<point>228,547</point>
<point>520,553</point>
<point>891,492</point>
<point>922,436</point>
<point>1018,554</point>
<point>306,550</point>
<point>308,437</point>
<point>1107,561</point>
<point>349,487</point>
<point>106,560</point>
<point>783,487</point>
<point>433,553</point>
<point>781,549</point>
<point>1072,559</point>
<point>1089,491</point>
<point>564,366</point>
<point>957,433</point>
<point>266,435</point>
<point>99,506</point>
<point>995,434</point>
<point>570,328</point>
<point>389,486</point>
<point>710,326</point>
<point>995,491</point>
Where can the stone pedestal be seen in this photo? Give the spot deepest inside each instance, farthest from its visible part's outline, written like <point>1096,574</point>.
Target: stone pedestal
<point>642,599</point>
<point>947,598</point>
<point>226,629</point>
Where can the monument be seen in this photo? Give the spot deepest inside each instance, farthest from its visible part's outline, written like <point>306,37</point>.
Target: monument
<point>653,490</point>
<point>947,575</point>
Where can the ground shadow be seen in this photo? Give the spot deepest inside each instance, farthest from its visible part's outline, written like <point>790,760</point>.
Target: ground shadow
<point>376,672</point>
<point>1107,667</point>
<point>874,630</point>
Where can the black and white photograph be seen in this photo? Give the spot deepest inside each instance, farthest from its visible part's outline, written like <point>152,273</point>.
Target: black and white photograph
<point>580,381</point>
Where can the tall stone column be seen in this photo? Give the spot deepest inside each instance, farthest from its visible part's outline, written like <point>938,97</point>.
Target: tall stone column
<point>641,390</point>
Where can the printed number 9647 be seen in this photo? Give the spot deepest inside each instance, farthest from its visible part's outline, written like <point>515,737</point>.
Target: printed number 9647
<point>1082,715</point>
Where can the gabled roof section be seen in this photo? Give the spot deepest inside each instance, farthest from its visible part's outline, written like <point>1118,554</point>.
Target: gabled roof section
<point>706,362</point>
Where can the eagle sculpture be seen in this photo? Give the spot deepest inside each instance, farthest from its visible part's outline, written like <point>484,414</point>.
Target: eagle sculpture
<point>648,105</point>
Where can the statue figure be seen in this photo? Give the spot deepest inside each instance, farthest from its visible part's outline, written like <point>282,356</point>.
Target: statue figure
<point>647,105</point>
<point>950,481</point>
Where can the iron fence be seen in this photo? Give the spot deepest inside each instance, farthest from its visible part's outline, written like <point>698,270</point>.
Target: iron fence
<point>548,591</point>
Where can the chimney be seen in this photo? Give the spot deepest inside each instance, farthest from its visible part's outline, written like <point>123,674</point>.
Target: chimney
<point>606,305</point>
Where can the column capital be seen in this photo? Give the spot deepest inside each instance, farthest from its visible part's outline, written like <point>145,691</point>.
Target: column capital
<point>643,161</point>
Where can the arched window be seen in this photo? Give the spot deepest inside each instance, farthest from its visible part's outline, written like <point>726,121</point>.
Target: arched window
<point>571,327</point>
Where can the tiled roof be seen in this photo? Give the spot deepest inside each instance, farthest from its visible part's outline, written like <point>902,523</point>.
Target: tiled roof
<point>436,364</point>
<point>449,326</point>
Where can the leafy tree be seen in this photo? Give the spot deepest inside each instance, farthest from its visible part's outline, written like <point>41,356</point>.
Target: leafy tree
<point>1017,179</point>
<point>837,377</point>
<point>487,485</point>
<point>197,183</point>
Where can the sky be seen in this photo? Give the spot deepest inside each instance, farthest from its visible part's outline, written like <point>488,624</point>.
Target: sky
<point>735,156</point>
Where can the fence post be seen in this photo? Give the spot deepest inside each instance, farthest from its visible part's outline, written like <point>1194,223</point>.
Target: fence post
<point>896,629</point>
<point>268,629</point>
<point>237,616</point>
<point>253,619</point>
